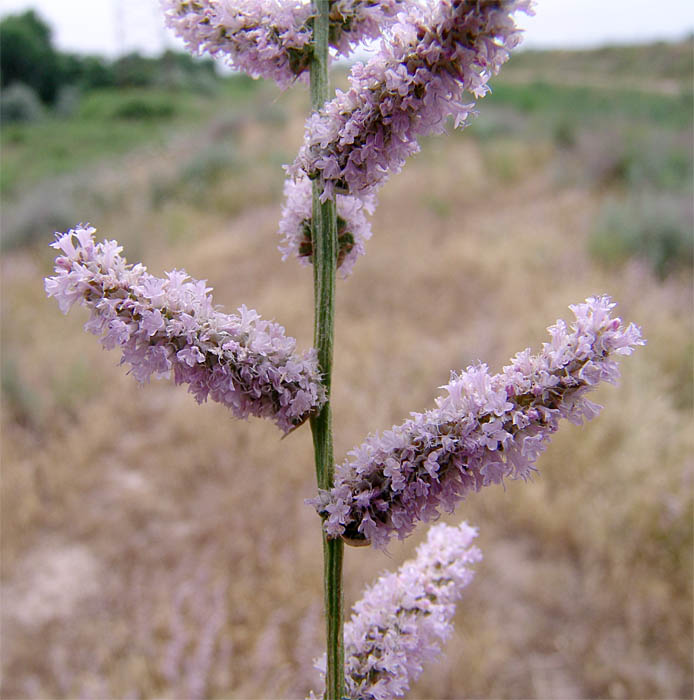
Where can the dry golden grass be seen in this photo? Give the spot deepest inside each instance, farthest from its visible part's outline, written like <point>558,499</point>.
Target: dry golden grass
<point>154,548</point>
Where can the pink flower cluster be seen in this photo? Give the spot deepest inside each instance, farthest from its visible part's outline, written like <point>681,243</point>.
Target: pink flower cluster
<point>264,38</point>
<point>272,38</point>
<point>170,325</point>
<point>402,619</point>
<point>353,228</point>
<point>486,427</point>
<point>409,89</point>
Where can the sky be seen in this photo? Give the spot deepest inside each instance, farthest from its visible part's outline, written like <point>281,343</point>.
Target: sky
<point>113,27</point>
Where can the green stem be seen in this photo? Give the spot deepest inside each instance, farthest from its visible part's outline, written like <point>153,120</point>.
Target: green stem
<point>324,241</point>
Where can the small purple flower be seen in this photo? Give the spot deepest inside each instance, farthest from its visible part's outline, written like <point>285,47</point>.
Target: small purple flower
<point>411,88</point>
<point>190,355</point>
<point>353,228</point>
<point>170,325</point>
<point>152,321</point>
<point>483,429</point>
<point>404,617</point>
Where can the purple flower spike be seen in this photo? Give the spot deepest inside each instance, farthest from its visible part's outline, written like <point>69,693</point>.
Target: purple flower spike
<point>484,428</point>
<point>409,89</point>
<point>404,617</point>
<point>170,325</point>
<point>353,228</point>
<point>272,38</point>
<point>264,38</point>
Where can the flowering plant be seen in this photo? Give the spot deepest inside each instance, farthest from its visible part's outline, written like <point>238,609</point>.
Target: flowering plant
<point>483,428</point>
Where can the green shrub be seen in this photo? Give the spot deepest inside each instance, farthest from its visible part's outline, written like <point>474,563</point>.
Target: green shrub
<point>21,402</point>
<point>134,70</point>
<point>87,72</point>
<point>207,167</point>
<point>197,177</point>
<point>495,121</point>
<point>654,228</point>
<point>145,109</point>
<point>20,104</point>
<point>27,55</point>
<point>68,101</point>
<point>657,164</point>
<point>587,105</point>
<point>50,207</point>
<point>564,133</point>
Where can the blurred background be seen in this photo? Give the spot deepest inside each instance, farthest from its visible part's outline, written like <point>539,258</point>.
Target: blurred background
<point>155,548</point>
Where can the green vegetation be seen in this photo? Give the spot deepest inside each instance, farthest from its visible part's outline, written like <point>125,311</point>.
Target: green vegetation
<point>28,57</point>
<point>655,229</point>
<point>590,105</point>
<point>19,103</point>
<point>108,123</point>
<point>628,137</point>
<point>57,168</point>
<point>657,66</point>
<point>63,111</point>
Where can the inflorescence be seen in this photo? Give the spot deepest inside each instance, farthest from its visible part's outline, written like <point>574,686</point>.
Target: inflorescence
<point>353,228</point>
<point>403,618</point>
<point>170,325</point>
<point>272,38</point>
<point>483,429</point>
<point>486,427</point>
<point>409,89</point>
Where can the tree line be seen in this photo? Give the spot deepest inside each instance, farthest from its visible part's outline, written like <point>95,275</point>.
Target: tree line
<point>28,57</point>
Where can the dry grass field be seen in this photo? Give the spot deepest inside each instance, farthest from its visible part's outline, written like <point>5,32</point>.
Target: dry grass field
<point>153,548</point>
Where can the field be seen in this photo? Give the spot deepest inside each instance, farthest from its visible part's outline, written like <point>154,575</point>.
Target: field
<point>155,548</point>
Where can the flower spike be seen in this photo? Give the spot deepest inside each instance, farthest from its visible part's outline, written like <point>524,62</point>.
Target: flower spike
<point>170,325</point>
<point>273,38</point>
<point>403,618</point>
<point>409,89</point>
<point>484,428</point>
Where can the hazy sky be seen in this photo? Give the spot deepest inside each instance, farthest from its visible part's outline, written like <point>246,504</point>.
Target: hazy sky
<point>114,26</point>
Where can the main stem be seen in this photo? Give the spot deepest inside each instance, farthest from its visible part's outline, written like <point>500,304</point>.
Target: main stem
<point>324,239</point>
